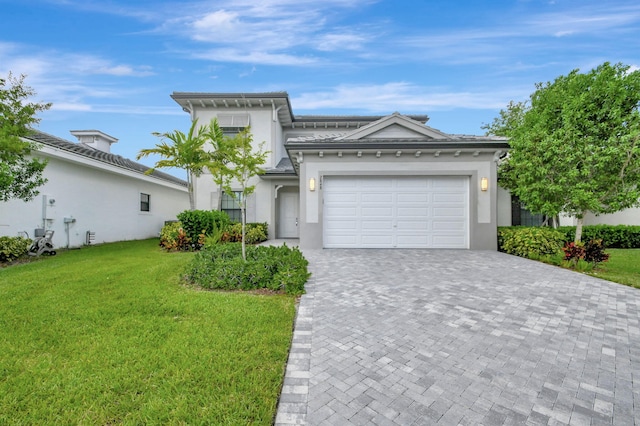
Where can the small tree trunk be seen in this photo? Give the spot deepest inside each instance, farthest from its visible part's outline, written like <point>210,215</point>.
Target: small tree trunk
<point>244,222</point>
<point>579,229</point>
<point>192,201</point>
<point>220,192</point>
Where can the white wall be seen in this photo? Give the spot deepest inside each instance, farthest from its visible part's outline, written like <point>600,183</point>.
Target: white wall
<point>104,200</point>
<point>504,207</point>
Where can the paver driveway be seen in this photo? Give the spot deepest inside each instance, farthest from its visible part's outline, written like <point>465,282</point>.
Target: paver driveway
<point>413,337</point>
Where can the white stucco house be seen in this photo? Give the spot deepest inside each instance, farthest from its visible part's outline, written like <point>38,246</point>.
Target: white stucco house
<point>358,181</point>
<point>93,196</point>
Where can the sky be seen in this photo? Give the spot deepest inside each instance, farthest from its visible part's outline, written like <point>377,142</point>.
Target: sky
<point>111,65</point>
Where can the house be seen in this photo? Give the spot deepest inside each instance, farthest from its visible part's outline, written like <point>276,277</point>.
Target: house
<point>92,195</point>
<point>358,181</point>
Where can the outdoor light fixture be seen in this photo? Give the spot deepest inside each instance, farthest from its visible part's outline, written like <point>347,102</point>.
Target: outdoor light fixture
<point>312,184</point>
<point>484,184</point>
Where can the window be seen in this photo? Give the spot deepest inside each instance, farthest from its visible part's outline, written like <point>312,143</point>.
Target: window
<point>521,216</point>
<point>232,124</point>
<point>145,202</point>
<point>231,206</point>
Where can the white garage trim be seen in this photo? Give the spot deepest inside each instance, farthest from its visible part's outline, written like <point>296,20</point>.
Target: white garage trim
<point>396,212</point>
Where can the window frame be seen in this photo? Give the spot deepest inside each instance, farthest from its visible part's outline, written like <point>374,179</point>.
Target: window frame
<point>235,213</point>
<point>144,203</point>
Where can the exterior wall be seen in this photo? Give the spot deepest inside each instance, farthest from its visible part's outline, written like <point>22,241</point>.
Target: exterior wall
<point>482,217</point>
<point>263,129</point>
<point>624,217</point>
<point>100,200</point>
<point>504,207</point>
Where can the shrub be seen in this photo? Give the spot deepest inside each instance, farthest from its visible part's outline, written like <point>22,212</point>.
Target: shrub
<point>254,233</point>
<point>573,251</point>
<point>174,237</point>
<point>12,248</point>
<point>530,241</point>
<point>221,266</point>
<point>197,222</point>
<point>594,252</point>
<point>613,236</point>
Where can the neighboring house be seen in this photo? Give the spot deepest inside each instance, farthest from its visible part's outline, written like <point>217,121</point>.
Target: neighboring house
<point>358,181</point>
<point>93,196</point>
<point>512,213</point>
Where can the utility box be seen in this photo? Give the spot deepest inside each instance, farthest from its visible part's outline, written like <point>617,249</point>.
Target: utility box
<point>38,232</point>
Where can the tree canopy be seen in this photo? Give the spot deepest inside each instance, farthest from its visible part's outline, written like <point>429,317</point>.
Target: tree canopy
<point>575,145</point>
<point>241,163</point>
<point>20,174</point>
<point>183,151</point>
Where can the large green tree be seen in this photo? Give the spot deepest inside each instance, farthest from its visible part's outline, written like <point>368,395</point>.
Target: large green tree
<point>183,151</point>
<point>575,145</point>
<point>20,173</point>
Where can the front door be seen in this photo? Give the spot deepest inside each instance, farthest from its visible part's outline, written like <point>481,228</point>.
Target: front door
<point>288,214</point>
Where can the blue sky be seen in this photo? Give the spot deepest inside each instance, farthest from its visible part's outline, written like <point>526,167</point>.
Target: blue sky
<point>112,64</point>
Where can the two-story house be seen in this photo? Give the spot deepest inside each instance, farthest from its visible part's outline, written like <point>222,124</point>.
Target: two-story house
<point>358,181</point>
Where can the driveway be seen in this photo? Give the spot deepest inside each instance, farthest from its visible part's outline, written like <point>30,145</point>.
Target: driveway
<point>420,337</point>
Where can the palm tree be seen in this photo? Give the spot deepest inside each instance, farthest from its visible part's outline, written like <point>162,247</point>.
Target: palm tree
<point>182,151</point>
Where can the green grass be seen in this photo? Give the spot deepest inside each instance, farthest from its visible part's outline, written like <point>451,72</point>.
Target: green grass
<point>108,335</point>
<point>622,267</point>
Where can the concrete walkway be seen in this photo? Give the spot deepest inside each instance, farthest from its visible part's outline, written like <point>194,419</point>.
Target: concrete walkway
<point>421,337</point>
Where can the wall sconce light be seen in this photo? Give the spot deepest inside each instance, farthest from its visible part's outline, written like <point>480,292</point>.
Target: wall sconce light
<point>312,184</point>
<point>484,184</point>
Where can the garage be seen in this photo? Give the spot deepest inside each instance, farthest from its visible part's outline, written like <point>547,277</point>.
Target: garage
<point>396,212</point>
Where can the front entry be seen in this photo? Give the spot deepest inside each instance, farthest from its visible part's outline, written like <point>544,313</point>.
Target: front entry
<point>289,204</point>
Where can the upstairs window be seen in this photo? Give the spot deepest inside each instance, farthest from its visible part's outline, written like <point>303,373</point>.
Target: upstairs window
<point>232,124</point>
<point>145,202</point>
<point>231,206</point>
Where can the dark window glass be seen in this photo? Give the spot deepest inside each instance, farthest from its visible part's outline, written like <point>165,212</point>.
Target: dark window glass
<point>520,215</point>
<point>145,202</point>
<point>231,206</point>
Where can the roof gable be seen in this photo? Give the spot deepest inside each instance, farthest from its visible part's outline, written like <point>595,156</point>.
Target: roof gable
<point>395,126</point>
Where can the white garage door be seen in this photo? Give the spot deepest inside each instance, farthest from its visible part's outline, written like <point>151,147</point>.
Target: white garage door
<point>403,212</point>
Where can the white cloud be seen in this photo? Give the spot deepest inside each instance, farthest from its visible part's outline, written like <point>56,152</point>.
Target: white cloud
<point>389,97</point>
<point>270,30</point>
<point>254,57</point>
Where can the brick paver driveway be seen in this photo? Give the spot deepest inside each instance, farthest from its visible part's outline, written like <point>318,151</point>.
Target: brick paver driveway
<point>413,337</point>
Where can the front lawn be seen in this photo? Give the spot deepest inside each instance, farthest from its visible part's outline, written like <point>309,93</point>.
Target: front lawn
<point>109,335</point>
<point>622,267</point>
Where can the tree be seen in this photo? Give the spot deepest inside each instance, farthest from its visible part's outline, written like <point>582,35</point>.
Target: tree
<point>575,146</point>
<point>243,165</point>
<point>220,155</point>
<point>184,151</point>
<point>20,174</point>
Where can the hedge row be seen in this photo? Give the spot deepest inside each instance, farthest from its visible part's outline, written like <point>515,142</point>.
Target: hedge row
<point>277,268</point>
<point>613,236</point>
<point>524,241</point>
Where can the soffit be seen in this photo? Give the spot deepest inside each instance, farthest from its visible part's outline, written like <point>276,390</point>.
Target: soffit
<point>277,101</point>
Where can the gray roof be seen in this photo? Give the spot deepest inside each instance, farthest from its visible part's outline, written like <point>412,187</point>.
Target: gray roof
<point>454,142</point>
<point>190,100</point>
<point>101,156</point>
<point>284,167</point>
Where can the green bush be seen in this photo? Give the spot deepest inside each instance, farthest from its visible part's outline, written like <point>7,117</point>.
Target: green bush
<point>254,233</point>
<point>174,237</point>
<point>612,236</point>
<point>198,222</point>
<point>221,266</point>
<point>12,248</point>
<point>530,242</point>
